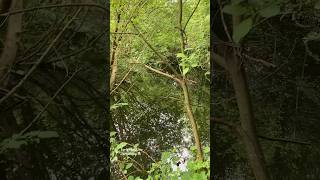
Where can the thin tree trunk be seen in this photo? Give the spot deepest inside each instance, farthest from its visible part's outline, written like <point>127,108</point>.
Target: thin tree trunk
<point>186,94</point>
<point>192,120</point>
<point>248,133</point>
<point>10,49</point>
<point>114,61</point>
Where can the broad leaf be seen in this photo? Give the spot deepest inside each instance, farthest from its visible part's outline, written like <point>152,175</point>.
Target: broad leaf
<point>270,11</point>
<point>234,9</point>
<point>43,134</point>
<point>242,30</point>
<point>185,70</point>
<point>317,5</point>
<point>236,1</point>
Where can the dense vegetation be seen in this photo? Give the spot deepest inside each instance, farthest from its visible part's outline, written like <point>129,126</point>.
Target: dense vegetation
<point>261,69</point>
<point>160,86</point>
<point>265,89</point>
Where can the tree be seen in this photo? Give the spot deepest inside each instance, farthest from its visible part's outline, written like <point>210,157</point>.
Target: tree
<point>272,71</point>
<point>162,60</point>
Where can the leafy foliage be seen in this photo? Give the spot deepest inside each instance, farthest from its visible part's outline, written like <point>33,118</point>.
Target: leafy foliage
<point>123,154</point>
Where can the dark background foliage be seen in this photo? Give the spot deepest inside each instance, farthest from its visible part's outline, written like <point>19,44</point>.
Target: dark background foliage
<point>77,64</point>
<point>285,98</point>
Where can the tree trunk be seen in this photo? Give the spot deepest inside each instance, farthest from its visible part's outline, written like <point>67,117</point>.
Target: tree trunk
<point>193,122</point>
<point>10,49</point>
<point>186,94</point>
<point>248,129</point>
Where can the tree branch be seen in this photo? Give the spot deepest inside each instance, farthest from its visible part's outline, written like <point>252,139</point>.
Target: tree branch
<point>234,127</point>
<point>162,58</point>
<point>284,140</point>
<point>162,73</point>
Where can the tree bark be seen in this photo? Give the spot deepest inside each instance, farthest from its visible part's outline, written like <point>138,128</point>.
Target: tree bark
<point>184,87</point>
<point>248,133</point>
<point>192,120</point>
<point>10,49</point>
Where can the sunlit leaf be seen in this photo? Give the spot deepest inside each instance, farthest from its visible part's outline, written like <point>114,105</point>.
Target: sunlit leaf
<point>185,70</point>
<point>115,106</point>
<point>180,55</point>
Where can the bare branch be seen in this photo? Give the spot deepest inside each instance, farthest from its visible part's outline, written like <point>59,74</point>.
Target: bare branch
<point>233,126</point>
<point>194,10</point>
<point>162,73</point>
<point>266,63</point>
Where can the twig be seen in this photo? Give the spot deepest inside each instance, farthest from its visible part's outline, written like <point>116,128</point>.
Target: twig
<point>284,140</point>
<point>235,127</point>
<point>125,76</point>
<point>55,6</point>
<point>224,22</point>
<point>124,33</point>
<point>194,10</point>
<point>49,102</point>
<point>266,63</point>
<point>162,73</point>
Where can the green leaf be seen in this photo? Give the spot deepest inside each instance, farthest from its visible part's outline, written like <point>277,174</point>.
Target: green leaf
<point>165,156</point>
<point>48,134</point>
<point>13,144</point>
<point>112,134</point>
<point>234,9</point>
<point>317,5</point>
<point>121,145</point>
<point>236,1</point>
<point>121,165</point>
<point>42,134</point>
<point>181,55</point>
<point>129,165</point>
<point>193,148</point>
<point>270,11</point>
<point>114,159</point>
<point>242,30</point>
<point>206,150</point>
<point>185,70</point>
<point>115,106</point>
<point>256,3</point>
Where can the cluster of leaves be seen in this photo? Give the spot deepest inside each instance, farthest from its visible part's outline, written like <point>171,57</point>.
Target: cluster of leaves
<point>253,13</point>
<point>256,12</point>
<point>122,155</point>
